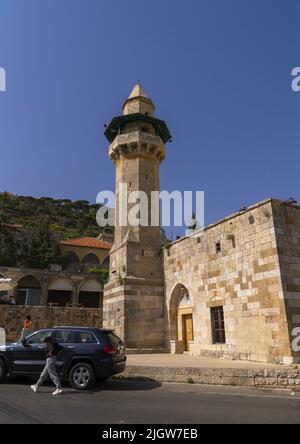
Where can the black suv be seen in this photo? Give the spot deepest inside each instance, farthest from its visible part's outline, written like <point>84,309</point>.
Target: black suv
<point>88,354</point>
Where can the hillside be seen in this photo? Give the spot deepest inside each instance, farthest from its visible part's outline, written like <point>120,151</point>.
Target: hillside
<point>66,218</point>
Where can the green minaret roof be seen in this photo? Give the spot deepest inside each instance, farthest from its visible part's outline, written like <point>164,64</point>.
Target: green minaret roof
<point>117,123</point>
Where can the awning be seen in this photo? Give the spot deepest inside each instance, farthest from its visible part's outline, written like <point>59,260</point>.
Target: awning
<point>4,286</point>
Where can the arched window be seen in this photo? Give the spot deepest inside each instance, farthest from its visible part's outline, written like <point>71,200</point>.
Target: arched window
<point>72,260</point>
<point>90,261</point>
<point>60,292</point>
<point>29,282</point>
<point>185,299</point>
<point>105,263</point>
<point>90,295</point>
<point>28,291</point>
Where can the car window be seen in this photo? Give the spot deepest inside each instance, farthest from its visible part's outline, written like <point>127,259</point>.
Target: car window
<point>38,338</point>
<point>114,339</point>
<point>84,337</point>
<point>64,336</point>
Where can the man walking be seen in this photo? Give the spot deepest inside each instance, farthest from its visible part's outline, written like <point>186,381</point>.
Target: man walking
<point>53,348</point>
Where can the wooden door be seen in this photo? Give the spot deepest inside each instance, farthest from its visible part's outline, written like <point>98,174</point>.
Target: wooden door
<point>188,333</point>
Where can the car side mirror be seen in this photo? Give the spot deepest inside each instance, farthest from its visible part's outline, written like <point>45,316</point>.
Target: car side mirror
<point>24,342</point>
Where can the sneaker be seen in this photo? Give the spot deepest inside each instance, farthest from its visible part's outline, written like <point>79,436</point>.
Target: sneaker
<point>34,388</point>
<point>57,392</point>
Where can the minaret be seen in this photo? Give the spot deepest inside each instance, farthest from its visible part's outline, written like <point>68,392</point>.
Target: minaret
<point>134,297</point>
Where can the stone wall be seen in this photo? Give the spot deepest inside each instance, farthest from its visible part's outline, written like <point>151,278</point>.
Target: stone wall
<point>244,278</point>
<point>287,231</point>
<point>12,317</point>
<point>243,377</point>
<point>135,309</point>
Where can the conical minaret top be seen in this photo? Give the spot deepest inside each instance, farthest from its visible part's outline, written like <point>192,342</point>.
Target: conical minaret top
<point>138,102</point>
<point>137,92</point>
<point>137,115</point>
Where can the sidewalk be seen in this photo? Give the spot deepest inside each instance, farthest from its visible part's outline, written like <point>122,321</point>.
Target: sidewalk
<point>199,370</point>
<point>185,360</point>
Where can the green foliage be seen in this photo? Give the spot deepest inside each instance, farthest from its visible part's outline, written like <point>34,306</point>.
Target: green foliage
<point>44,222</point>
<point>8,243</point>
<point>165,242</point>
<point>42,248</point>
<point>67,218</point>
<point>103,271</point>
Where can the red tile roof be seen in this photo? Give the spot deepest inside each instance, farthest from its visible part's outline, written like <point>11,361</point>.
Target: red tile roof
<point>92,242</point>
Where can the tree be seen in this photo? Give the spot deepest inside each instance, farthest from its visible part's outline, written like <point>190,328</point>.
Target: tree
<point>43,249</point>
<point>193,223</point>
<point>8,243</point>
<point>72,219</point>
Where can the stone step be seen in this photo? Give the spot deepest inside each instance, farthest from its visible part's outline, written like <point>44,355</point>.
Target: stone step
<point>287,378</point>
<point>147,351</point>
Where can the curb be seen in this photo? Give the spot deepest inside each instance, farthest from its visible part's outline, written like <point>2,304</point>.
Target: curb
<point>242,377</point>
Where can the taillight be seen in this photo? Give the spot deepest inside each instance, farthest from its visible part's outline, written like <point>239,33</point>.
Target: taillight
<point>110,349</point>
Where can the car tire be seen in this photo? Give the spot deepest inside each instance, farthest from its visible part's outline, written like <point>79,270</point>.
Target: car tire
<point>3,370</point>
<point>82,376</point>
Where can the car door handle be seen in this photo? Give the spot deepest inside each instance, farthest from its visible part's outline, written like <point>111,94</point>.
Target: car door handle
<point>41,347</point>
<point>70,347</point>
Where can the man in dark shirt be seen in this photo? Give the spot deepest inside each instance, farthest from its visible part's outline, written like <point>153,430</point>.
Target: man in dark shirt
<point>53,348</point>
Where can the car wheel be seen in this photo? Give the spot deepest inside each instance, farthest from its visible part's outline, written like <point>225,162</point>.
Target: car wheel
<point>3,371</point>
<point>82,376</point>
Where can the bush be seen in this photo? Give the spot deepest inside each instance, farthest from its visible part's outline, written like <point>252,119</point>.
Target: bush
<point>190,381</point>
<point>103,272</point>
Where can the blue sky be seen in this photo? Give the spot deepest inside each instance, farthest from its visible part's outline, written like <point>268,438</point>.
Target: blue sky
<point>219,72</point>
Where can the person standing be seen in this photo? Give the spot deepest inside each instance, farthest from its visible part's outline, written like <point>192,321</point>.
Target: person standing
<point>53,348</point>
<point>27,327</point>
<point>12,300</point>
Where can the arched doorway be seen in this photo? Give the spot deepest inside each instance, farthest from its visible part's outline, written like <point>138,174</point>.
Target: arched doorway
<point>91,261</point>
<point>72,261</point>
<point>60,293</point>
<point>29,291</point>
<point>105,263</point>
<point>181,319</point>
<point>90,294</point>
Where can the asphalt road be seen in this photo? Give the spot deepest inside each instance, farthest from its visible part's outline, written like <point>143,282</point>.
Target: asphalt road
<point>135,402</point>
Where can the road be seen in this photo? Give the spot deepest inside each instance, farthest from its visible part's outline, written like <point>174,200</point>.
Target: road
<point>135,402</point>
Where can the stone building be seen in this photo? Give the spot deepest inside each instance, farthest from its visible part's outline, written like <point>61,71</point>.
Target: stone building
<point>241,276</point>
<point>231,290</point>
<point>74,286</point>
<point>55,296</point>
<point>51,298</point>
<point>86,252</point>
<point>34,287</point>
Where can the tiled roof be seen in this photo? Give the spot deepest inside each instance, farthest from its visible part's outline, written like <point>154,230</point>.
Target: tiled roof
<point>92,242</point>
